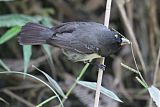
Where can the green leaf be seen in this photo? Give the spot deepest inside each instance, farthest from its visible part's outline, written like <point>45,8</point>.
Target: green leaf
<point>92,85</point>
<point>53,83</point>
<point>155,94</point>
<point>48,52</point>
<point>10,34</point>
<point>4,65</point>
<point>47,21</point>
<point>27,52</point>
<point>17,19</point>
<point>32,76</point>
<point>142,82</point>
<point>46,101</point>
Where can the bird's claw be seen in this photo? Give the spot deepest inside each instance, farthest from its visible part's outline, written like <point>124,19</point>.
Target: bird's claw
<point>102,66</point>
<point>87,62</point>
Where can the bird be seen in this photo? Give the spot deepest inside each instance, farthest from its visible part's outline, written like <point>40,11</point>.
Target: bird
<point>80,41</point>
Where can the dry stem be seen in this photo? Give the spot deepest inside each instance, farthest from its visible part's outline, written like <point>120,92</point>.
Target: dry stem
<point>130,32</point>
<point>100,71</point>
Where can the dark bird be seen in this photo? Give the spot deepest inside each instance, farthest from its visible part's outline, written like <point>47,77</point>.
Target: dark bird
<point>81,41</point>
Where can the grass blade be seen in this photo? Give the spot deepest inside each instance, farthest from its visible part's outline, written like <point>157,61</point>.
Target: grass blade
<point>17,19</point>
<point>142,82</point>
<point>10,34</point>
<point>47,21</point>
<point>15,72</point>
<point>4,65</point>
<point>53,83</point>
<point>46,101</point>
<point>48,52</point>
<point>27,52</point>
<point>106,92</point>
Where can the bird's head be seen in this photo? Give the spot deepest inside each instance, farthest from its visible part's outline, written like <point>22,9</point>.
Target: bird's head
<point>120,39</point>
<point>115,42</point>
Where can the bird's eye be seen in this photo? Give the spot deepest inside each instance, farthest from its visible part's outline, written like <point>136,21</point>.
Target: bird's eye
<point>116,36</point>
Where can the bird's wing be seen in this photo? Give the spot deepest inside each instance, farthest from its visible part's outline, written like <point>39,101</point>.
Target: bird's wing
<point>68,27</point>
<point>67,37</point>
<point>68,42</point>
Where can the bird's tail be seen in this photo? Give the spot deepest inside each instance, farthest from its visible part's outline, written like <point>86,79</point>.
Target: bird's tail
<point>34,34</point>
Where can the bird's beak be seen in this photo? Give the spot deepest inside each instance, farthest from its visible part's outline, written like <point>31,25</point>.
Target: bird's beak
<point>125,41</point>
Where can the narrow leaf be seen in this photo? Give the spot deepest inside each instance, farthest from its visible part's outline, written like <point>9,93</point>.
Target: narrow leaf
<point>17,19</point>
<point>46,101</point>
<point>32,76</point>
<point>10,34</point>
<point>47,21</point>
<point>48,52</point>
<point>53,83</point>
<point>4,65</point>
<point>141,82</point>
<point>155,94</point>
<point>92,85</point>
<point>27,52</point>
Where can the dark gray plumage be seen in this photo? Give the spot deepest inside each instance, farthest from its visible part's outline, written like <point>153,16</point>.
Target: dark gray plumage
<point>80,40</point>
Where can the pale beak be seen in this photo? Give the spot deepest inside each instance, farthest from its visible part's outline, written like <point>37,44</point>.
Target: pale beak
<point>125,41</point>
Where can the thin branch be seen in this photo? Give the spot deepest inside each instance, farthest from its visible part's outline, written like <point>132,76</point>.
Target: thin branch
<point>107,13</point>
<point>23,87</point>
<point>99,81</point>
<point>130,32</point>
<point>153,26</point>
<point>129,68</point>
<point>8,92</point>
<point>100,71</point>
<point>156,68</point>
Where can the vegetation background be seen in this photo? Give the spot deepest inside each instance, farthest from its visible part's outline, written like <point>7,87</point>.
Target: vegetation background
<point>144,21</point>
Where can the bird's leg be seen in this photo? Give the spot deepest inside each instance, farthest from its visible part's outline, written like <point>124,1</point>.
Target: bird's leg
<point>100,66</point>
